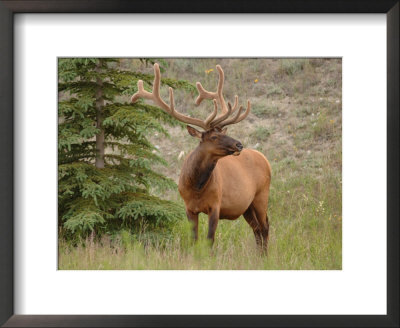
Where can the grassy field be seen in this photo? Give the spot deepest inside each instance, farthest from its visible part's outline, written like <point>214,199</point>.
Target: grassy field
<point>296,123</point>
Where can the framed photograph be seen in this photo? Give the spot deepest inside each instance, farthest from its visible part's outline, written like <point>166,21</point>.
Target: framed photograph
<point>199,165</point>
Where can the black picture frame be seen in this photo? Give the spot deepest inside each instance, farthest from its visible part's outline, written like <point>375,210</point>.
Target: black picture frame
<point>7,11</point>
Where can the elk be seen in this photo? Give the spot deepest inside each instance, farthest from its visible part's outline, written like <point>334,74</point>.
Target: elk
<point>219,177</point>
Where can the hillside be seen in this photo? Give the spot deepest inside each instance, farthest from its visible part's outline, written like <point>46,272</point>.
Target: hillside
<point>296,109</point>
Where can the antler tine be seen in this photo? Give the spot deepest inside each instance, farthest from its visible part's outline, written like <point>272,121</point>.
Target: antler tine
<point>237,117</point>
<point>155,97</point>
<point>222,117</point>
<point>212,115</point>
<point>184,118</point>
<point>155,94</point>
<point>235,104</point>
<point>204,94</point>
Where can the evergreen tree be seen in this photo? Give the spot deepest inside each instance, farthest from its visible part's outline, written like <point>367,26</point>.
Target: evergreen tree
<point>104,155</point>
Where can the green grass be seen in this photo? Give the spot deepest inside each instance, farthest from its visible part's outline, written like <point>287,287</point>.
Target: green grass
<point>296,122</point>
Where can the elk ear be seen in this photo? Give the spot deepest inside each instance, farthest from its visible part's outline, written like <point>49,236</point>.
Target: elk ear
<point>223,131</point>
<point>193,132</point>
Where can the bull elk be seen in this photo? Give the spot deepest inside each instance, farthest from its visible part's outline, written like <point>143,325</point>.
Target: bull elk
<point>214,179</point>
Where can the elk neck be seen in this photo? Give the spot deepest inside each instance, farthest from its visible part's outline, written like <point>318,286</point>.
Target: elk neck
<point>199,168</point>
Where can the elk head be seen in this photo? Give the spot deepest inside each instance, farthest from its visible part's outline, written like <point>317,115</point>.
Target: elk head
<point>214,137</point>
<point>216,142</point>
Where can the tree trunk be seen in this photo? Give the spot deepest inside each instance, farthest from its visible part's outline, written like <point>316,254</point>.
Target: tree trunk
<point>99,121</point>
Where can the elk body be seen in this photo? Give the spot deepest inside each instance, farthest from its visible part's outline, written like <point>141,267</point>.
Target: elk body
<point>219,177</point>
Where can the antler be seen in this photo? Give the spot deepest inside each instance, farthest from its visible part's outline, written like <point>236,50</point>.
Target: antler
<point>237,117</point>
<point>211,121</point>
<point>217,95</point>
<point>155,97</point>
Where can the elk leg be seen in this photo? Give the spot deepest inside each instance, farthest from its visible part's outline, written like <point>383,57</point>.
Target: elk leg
<point>262,219</point>
<point>213,218</point>
<point>260,205</point>
<point>194,219</point>
<point>251,219</point>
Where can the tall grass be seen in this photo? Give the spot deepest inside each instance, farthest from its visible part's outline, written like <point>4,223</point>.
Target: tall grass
<point>305,234</point>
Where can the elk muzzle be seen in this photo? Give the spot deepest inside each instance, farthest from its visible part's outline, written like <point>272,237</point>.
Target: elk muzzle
<point>239,148</point>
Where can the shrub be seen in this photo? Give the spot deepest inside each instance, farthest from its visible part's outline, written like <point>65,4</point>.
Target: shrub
<point>260,133</point>
<point>292,66</point>
<point>265,111</point>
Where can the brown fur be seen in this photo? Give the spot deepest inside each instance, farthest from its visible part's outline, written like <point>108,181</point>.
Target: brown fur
<point>224,186</point>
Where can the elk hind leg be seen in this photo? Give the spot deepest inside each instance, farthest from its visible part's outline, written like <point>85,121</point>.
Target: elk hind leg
<point>260,205</point>
<point>250,217</point>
